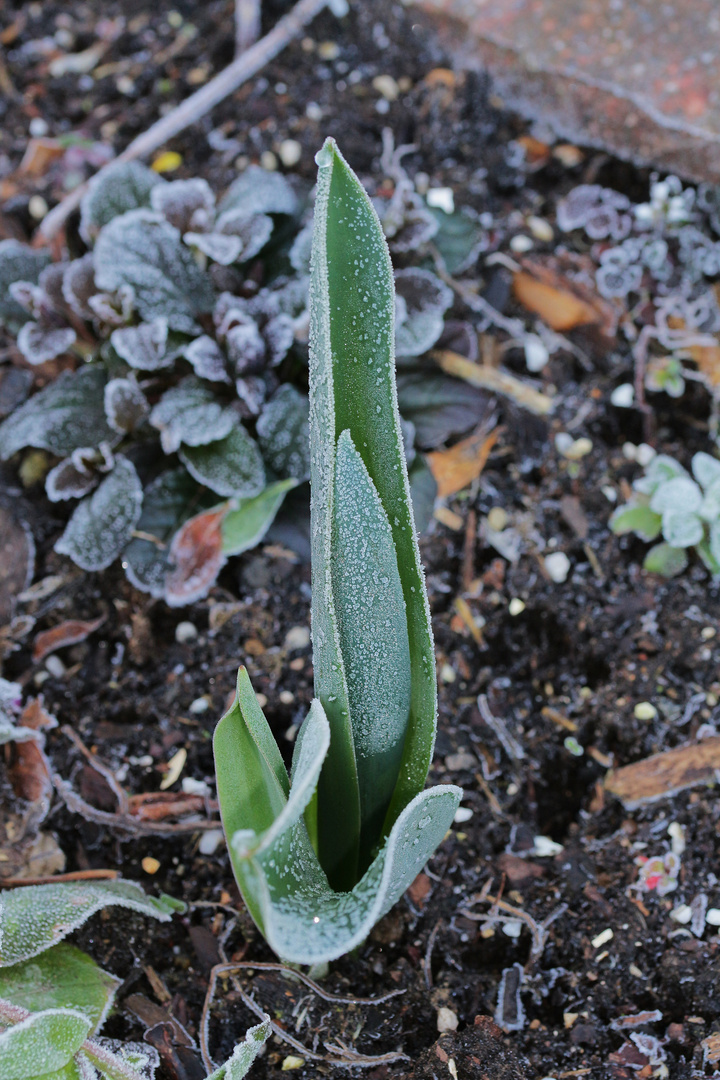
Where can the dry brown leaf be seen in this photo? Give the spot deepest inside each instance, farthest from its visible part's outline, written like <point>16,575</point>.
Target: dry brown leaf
<point>39,156</point>
<point>560,308</point>
<point>665,774</point>
<point>707,358</point>
<point>66,633</point>
<point>197,553</point>
<point>456,468</point>
<point>156,805</point>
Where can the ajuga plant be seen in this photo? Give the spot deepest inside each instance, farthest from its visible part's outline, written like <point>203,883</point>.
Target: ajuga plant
<point>322,855</point>
<point>161,376</point>
<point>54,999</point>
<point>685,512</point>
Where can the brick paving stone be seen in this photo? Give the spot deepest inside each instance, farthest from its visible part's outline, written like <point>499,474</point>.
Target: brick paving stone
<point>636,77</point>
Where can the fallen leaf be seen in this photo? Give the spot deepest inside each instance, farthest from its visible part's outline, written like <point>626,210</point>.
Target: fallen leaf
<point>39,156</point>
<point>66,633</point>
<point>456,468</point>
<point>665,774</point>
<point>490,378</point>
<point>537,153</point>
<point>707,358</point>
<point>196,551</point>
<point>560,308</point>
<point>38,857</point>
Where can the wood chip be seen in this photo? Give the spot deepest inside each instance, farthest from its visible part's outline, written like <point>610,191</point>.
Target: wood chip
<point>665,774</point>
<point>496,380</point>
<point>456,468</point>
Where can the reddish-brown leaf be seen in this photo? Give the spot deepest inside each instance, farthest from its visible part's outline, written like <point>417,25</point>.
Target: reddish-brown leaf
<point>66,633</point>
<point>197,554</point>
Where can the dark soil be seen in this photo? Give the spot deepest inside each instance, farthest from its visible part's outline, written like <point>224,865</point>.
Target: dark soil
<point>581,653</point>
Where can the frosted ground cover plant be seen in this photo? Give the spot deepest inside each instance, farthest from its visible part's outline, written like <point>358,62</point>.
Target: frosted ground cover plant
<point>175,419</point>
<point>321,855</point>
<point>666,250</point>
<point>54,999</point>
<point>681,509</point>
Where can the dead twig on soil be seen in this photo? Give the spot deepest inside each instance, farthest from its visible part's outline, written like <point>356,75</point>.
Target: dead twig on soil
<point>247,24</point>
<point>249,63</point>
<point>539,931</point>
<point>510,745</point>
<point>346,1056</point>
<point>53,879</point>
<point>427,961</point>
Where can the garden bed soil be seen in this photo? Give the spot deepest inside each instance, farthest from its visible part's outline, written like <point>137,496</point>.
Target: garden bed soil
<point>564,670</point>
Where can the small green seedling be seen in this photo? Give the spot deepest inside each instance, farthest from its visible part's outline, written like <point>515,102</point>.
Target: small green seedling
<point>668,502</point>
<point>322,856</point>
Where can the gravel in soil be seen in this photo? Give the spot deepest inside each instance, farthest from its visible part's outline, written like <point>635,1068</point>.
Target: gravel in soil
<point>584,941</point>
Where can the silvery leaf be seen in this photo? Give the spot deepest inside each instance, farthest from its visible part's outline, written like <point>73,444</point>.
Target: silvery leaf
<point>125,405</point>
<point>284,434</point>
<point>121,187</point>
<point>427,299</point>
<point>221,249</point>
<point>38,343</point>
<point>680,494</point>
<point>231,466</point>
<point>78,285</point>
<point>102,524</point>
<point>189,413</point>
<point>682,529</point>
<point>706,469</point>
<point>144,251</point>
<point>68,480</point>
<point>253,232</point>
<point>186,204</point>
<point>43,1044</point>
<point>257,191</point>
<point>18,262</point>
<point>145,347</point>
<point>236,1067</point>
<point>207,359</point>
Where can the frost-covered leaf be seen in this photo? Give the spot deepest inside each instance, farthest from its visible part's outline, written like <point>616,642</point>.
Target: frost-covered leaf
<point>252,391</point>
<point>236,1067</point>
<point>706,469</point>
<point>710,508</point>
<point>714,545</point>
<point>125,405</point>
<point>423,489</point>
<point>102,524</point>
<point>682,529</point>
<point>279,334</point>
<point>637,518</point>
<point>666,560</point>
<point>66,414</point>
<point>113,309</point>
<point>168,502</point>
<point>229,466</point>
<point>117,189</point>
<point>39,343</point>
<point>234,236</point>
<point>146,347</point>
<point>197,557</point>
<point>459,238</point>
<point>303,920</point>
<point>425,300</point>
<point>61,977</point>
<point>221,249</point>
<point>144,251</point>
<point>300,250</point>
<point>661,468</point>
<point>186,204</point>
<point>18,262</point>
<point>257,191</point>
<point>116,1060</point>
<point>439,406</point>
<point>284,434</point>
<point>679,494</point>
<point>34,918</point>
<point>207,359</point>
<point>71,478</point>
<point>42,1044</point>
<point>78,285</point>
<point>189,413</point>
<point>244,526</point>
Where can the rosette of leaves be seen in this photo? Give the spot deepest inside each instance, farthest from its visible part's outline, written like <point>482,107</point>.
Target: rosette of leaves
<point>682,509</point>
<point>54,999</point>
<point>321,855</point>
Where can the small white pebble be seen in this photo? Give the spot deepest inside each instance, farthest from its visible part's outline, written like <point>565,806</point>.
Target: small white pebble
<point>446,1019</point>
<point>441,198</point>
<point>540,228</point>
<point>512,789</point>
<point>328,50</point>
<point>602,939</point>
<point>645,454</point>
<point>677,837</point>
<point>37,208</point>
<point>462,814</point>
<point>313,111</point>
<point>712,916</point>
<point>199,705</point>
<point>512,928</point>
<point>185,631</point>
<point>516,606</point>
<point>623,396</point>
<point>545,848</point>
<point>191,786</point>
<point>286,697</point>
<point>55,666</point>
<point>210,841</point>
<point>290,152</point>
<point>125,85</point>
<point>681,914</point>
<point>447,673</point>
<point>268,161</point>
<point>38,127</point>
<point>521,243</point>
<point>645,710</point>
<point>557,566</point>
<point>610,493</point>
<point>386,85</point>
<point>536,353</point>
<point>708,633</point>
<point>497,519</point>
<point>629,450</point>
<point>297,637</point>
